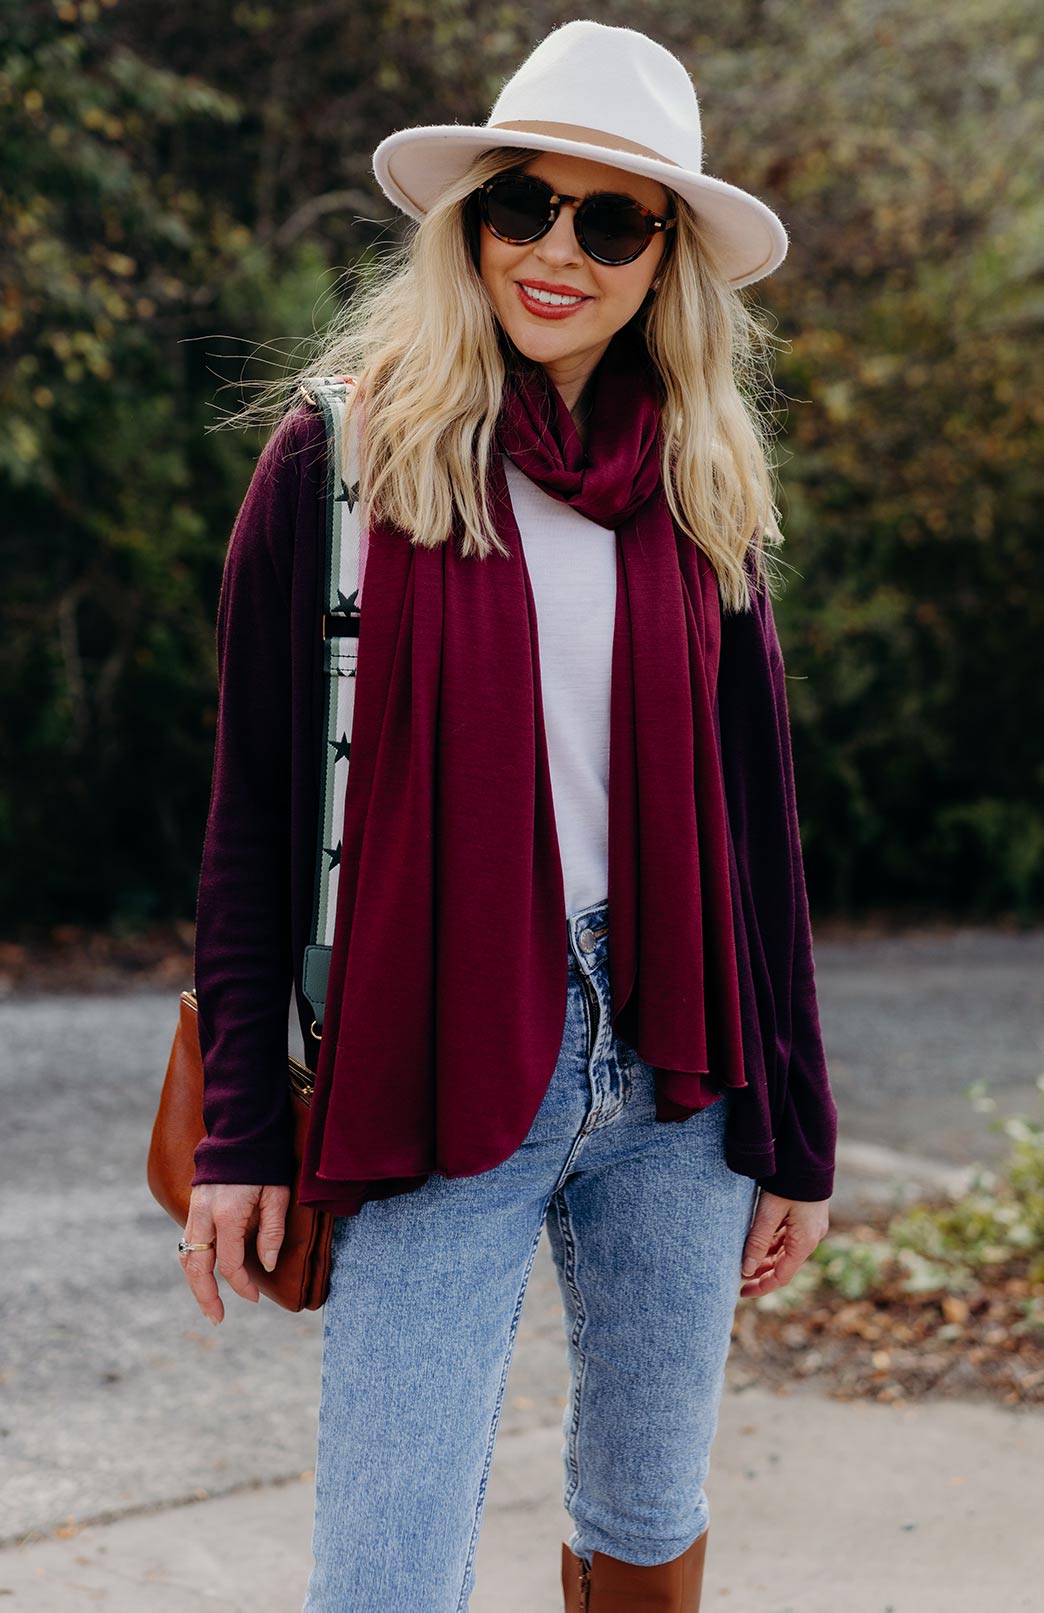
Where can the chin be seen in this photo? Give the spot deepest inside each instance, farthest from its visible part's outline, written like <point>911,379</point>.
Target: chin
<point>541,351</point>
<point>543,346</point>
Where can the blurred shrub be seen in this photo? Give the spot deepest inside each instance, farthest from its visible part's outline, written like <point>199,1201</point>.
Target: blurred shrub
<point>995,1227</point>
<point>172,173</point>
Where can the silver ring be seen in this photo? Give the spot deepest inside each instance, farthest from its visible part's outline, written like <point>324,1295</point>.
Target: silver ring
<point>184,1248</point>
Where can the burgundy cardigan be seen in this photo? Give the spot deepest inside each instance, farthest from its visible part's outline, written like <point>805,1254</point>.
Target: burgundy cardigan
<point>259,851</point>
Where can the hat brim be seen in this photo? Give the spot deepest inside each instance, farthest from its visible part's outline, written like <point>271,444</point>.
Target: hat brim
<point>414,166</point>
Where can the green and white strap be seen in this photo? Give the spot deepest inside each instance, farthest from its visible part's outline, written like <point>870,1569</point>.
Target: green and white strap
<point>342,598</point>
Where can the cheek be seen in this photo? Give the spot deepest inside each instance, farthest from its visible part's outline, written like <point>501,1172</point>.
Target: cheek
<point>646,268</point>
<point>495,259</point>
<point>483,261</point>
<point>626,286</point>
<point>641,279</point>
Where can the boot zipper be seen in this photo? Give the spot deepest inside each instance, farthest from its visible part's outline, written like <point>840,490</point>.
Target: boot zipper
<point>585,1586</point>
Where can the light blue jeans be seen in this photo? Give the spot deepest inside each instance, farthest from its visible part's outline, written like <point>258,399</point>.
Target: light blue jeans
<point>646,1223</point>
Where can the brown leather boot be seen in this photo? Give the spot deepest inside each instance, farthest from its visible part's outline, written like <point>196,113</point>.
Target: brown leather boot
<point>610,1585</point>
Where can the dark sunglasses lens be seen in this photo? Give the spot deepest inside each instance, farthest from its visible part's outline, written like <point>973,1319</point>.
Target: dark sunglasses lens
<point>515,210</point>
<point>614,231</point>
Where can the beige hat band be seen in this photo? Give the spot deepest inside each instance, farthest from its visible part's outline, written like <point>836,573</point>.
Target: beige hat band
<point>576,132</point>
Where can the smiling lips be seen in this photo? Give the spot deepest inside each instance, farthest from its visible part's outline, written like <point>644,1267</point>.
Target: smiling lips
<point>548,304</point>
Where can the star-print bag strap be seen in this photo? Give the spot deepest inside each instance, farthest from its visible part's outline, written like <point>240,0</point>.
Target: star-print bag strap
<point>301,1277</point>
<point>344,564</point>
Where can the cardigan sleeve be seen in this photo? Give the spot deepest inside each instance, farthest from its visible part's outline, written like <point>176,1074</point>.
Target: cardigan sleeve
<point>243,969</point>
<point>806,1131</point>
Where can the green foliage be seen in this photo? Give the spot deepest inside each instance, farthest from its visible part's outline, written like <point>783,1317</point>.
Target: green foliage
<point>1000,1217</point>
<point>948,1248</point>
<point>172,173</point>
<point>118,502</point>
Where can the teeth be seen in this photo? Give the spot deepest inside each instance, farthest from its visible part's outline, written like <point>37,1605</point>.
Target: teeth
<point>552,298</point>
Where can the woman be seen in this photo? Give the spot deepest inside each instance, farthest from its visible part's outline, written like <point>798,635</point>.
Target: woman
<point>569,714</point>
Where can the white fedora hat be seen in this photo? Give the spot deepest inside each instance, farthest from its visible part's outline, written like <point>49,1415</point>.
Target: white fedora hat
<point>611,95</point>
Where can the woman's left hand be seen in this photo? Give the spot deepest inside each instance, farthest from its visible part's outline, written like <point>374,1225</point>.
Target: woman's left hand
<point>782,1235</point>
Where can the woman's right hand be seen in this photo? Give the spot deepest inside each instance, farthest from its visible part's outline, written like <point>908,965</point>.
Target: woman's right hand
<point>227,1211</point>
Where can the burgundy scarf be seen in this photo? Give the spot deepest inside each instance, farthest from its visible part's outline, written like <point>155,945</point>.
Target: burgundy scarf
<point>447,993</point>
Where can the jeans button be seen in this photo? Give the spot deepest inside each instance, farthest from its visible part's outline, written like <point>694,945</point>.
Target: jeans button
<point>586,939</point>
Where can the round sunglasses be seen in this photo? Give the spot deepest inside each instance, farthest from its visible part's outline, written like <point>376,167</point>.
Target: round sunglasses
<point>520,208</point>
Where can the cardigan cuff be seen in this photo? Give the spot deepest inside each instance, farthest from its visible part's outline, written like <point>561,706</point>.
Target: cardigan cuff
<point>809,1186</point>
<point>244,1163</point>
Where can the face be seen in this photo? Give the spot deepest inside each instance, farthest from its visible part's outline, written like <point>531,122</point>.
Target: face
<point>570,344</point>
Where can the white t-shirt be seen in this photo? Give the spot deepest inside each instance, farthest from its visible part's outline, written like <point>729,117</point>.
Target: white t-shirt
<point>572,569</point>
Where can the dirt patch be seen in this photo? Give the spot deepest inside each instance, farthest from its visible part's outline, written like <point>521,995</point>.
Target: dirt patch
<point>73,958</point>
<point>897,1346</point>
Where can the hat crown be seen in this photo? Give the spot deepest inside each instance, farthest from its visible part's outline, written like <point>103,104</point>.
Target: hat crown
<point>615,86</point>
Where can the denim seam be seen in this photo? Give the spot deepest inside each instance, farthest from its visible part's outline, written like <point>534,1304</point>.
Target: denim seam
<point>580,1364</point>
<point>323,1379</point>
<point>495,1418</point>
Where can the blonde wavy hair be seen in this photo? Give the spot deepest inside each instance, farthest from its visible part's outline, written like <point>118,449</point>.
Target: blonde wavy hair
<point>431,359</point>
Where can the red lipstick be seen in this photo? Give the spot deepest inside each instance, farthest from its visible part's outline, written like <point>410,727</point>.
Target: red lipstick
<point>549,310</point>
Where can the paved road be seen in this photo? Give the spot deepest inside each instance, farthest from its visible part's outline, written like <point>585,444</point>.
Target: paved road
<point>908,1023</point>
<point>115,1395</point>
<point>815,1507</point>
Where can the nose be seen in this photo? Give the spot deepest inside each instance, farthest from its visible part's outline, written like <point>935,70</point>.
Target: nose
<point>560,244</point>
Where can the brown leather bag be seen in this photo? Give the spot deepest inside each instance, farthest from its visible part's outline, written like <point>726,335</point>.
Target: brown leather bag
<point>301,1277</point>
